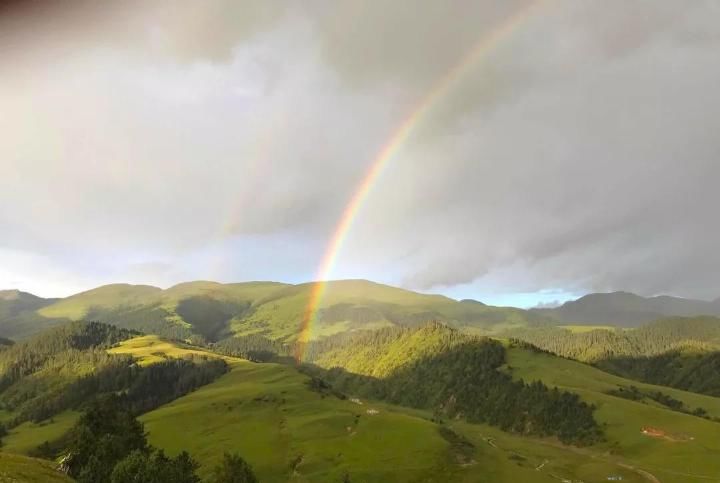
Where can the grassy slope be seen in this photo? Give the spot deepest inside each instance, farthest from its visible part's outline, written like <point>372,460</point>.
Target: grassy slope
<point>15,468</point>
<point>28,436</point>
<point>150,349</point>
<point>266,412</point>
<point>676,461</point>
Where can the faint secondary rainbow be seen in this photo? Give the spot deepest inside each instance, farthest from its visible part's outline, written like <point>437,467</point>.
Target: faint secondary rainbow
<point>479,50</point>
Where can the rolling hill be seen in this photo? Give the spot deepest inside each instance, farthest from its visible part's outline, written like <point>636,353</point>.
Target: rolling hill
<point>214,311</point>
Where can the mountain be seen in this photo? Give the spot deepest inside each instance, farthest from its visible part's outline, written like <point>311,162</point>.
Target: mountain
<point>15,302</point>
<point>625,309</point>
<point>214,311</point>
<point>18,313</point>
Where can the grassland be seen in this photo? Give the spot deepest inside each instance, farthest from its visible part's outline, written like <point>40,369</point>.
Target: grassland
<point>690,453</point>
<point>21,469</point>
<point>268,414</point>
<point>150,349</point>
<point>288,433</point>
<point>26,437</point>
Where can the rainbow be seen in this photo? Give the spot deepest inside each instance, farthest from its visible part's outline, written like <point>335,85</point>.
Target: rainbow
<point>399,136</point>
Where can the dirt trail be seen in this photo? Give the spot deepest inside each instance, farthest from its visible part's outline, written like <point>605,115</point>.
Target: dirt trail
<point>645,474</point>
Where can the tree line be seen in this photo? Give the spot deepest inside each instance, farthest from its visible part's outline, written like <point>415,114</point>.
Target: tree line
<point>452,374</point>
<point>681,352</point>
<point>66,367</point>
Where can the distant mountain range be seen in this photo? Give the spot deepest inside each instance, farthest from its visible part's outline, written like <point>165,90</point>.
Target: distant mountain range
<point>214,311</point>
<point>626,309</point>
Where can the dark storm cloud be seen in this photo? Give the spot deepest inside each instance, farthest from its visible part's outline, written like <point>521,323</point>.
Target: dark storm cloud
<point>579,152</point>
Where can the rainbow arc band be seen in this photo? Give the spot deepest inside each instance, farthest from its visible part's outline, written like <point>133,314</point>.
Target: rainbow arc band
<point>399,136</point>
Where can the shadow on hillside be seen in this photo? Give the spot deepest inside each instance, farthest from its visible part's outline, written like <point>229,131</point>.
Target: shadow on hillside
<point>210,317</point>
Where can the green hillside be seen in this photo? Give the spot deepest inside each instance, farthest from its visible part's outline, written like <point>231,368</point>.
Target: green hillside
<point>681,352</point>
<point>18,313</point>
<point>270,415</point>
<point>291,429</point>
<point>688,449</point>
<point>213,311</point>
<point>21,469</point>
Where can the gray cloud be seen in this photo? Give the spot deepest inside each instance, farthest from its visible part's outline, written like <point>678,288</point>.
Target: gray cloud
<point>579,153</point>
<point>192,30</point>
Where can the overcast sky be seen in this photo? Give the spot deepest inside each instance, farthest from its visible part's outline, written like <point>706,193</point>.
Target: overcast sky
<point>159,142</point>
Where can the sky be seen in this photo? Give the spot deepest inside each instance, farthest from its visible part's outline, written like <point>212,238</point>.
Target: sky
<point>160,142</point>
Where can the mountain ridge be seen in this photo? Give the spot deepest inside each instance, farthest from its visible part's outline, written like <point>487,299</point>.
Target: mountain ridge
<point>215,310</point>
<point>625,309</point>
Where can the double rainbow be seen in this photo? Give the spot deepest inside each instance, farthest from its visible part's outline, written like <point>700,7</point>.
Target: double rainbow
<point>399,136</point>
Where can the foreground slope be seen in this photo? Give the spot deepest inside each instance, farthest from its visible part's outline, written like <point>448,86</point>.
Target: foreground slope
<point>677,447</point>
<point>271,415</point>
<point>287,432</point>
<point>21,469</point>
